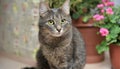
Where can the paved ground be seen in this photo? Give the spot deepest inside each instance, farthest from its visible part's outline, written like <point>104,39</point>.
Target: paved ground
<point>6,63</point>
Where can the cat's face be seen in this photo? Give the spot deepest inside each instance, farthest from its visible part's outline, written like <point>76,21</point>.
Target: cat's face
<point>55,22</point>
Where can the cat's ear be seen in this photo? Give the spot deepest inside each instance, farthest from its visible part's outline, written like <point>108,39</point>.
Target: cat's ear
<point>66,7</point>
<point>43,8</point>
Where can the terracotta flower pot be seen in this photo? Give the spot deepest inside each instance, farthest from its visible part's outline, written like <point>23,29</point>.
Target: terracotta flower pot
<point>91,38</point>
<point>115,56</point>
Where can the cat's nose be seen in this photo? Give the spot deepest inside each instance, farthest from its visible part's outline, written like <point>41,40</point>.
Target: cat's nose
<point>58,28</point>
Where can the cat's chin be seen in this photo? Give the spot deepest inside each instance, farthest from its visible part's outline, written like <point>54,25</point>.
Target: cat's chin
<point>56,35</point>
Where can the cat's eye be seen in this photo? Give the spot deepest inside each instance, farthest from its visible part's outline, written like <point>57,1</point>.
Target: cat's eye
<point>63,20</point>
<point>50,22</point>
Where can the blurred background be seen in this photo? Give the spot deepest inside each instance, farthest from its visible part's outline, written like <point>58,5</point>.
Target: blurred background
<point>18,27</point>
<point>19,30</point>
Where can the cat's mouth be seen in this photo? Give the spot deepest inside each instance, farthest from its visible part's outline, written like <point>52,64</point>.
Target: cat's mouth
<point>58,33</point>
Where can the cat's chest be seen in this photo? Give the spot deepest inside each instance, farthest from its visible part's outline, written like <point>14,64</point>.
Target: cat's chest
<point>58,56</point>
<point>54,54</point>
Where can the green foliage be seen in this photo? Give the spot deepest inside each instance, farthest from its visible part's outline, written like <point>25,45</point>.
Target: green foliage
<point>112,23</point>
<point>83,8</point>
<point>55,3</point>
<point>102,47</point>
<point>78,7</point>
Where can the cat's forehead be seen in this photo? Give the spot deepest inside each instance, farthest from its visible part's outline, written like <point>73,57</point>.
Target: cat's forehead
<point>55,13</point>
<point>55,10</point>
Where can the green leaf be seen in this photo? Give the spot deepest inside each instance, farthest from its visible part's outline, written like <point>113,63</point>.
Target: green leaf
<point>108,38</point>
<point>113,21</point>
<point>113,34</point>
<point>85,19</point>
<point>112,41</point>
<point>102,47</point>
<point>115,29</point>
<point>76,15</point>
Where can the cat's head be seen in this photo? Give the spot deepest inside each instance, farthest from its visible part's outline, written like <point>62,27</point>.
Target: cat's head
<point>56,21</point>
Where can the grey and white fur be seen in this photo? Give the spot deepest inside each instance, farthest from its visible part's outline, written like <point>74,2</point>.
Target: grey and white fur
<point>62,46</point>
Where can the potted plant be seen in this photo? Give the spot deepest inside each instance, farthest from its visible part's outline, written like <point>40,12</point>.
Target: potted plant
<point>108,20</point>
<point>81,13</point>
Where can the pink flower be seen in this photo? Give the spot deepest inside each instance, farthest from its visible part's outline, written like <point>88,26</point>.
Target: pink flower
<point>98,17</point>
<point>102,11</point>
<point>100,6</point>
<point>104,31</point>
<point>109,11</point>
<point>95,16</point>
<point>109,4</point>
<point>106,4</point>
<point>102,17</point>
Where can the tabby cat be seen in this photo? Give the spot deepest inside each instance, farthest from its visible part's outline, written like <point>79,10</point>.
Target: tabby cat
<point>62,46</point>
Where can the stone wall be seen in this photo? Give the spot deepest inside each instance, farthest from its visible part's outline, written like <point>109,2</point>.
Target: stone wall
<point>19,27</point>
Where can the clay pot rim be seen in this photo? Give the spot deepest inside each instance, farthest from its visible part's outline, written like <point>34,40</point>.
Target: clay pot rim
<point>84,25</point>
<point>79,23</point>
